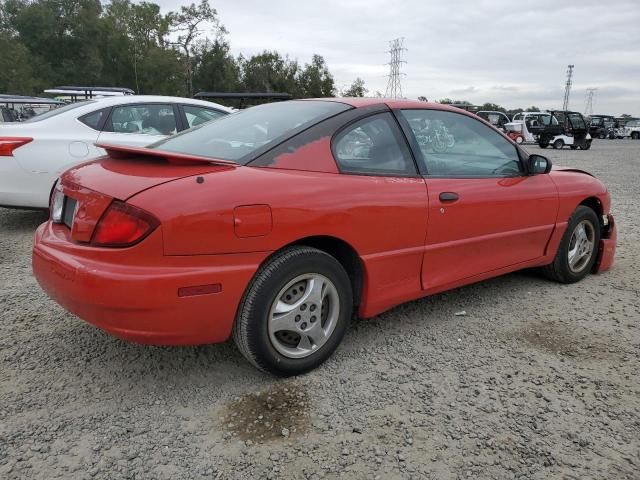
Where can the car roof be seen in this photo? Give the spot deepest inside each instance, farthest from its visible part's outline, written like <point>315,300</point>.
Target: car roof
<point>393,103</point>
<point>129,99</point>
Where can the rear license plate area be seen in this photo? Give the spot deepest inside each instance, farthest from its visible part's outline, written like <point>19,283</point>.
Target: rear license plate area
<point>69,211</point>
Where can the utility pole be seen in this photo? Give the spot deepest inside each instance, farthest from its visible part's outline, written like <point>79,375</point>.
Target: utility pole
<point>567,88</point>
<point>588,104</point>
<point>394,87</point>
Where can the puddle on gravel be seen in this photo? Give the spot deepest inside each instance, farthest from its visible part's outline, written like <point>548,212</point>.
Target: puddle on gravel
<point>281,411</point>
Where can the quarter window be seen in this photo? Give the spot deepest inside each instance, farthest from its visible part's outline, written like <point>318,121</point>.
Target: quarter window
<point>373,146</point>
<point>455,145</point>
<point>94,119</point>
<point>143,119</point>
<point>199,115</point>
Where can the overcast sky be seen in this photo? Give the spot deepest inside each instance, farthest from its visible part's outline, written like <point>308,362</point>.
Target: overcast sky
<point>514,53</point>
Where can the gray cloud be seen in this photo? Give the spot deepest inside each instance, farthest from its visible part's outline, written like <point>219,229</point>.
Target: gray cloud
<point>512,54</point>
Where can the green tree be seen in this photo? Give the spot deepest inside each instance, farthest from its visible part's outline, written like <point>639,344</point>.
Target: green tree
<point>215,69</point>
<point>190,23</point>
<point>357,89</point>
<point>315,80</point>
<point>270,72</point>
<point>532,108</point>
<point>17,74</point>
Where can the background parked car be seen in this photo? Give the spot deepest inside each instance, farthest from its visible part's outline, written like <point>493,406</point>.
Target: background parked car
<point>632,129</point>
<point>39,149</point>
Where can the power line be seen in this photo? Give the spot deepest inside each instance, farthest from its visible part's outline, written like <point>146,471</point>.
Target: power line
<point>567,88</point>
<point>394,87</point>
<point>588,104</point>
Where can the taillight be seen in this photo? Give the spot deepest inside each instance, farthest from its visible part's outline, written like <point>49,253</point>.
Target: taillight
<point>9,144</point>
<point>123,225</point>
<point>57,203</point>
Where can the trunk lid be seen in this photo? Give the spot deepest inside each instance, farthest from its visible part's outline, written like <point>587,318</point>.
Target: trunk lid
<point>90,188</point>
<point>127,171</point>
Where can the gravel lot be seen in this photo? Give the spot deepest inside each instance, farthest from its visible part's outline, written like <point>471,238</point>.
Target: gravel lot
<point>537,380</point>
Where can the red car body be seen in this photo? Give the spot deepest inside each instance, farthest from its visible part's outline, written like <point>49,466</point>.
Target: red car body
<point>218,222</point>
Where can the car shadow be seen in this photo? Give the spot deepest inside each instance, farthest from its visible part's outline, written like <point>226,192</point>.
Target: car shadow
<point>14,220</point>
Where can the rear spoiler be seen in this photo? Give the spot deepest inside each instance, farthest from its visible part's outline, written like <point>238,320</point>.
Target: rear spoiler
<point>127,152</point>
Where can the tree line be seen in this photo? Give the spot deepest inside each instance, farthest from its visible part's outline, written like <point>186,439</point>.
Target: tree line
<point>44,43</point>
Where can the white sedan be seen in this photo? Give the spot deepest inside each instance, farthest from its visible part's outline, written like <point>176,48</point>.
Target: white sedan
<point>35,152</point>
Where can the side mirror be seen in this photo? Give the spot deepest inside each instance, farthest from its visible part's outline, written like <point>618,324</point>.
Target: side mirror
<point>538,164</point>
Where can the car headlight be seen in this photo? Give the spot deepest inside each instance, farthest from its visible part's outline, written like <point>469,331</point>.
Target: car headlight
<point>57,202</point>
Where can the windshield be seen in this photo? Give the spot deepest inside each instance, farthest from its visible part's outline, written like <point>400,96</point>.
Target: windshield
<point>58,111</point>
<point>235,137</point>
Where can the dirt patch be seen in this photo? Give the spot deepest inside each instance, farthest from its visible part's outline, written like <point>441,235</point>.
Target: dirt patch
<point>559,340</point>
<point>551,338</point>
<point>281,411</point>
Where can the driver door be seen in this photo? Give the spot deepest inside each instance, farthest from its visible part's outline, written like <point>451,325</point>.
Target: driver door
<point>485,214</point>
<point>139,125</point>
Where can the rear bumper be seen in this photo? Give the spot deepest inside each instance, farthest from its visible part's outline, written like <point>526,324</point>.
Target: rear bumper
<point>607,250</point>
<point>132,293</point>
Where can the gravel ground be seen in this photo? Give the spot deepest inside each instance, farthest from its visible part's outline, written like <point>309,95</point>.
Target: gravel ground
<point>537,380</point>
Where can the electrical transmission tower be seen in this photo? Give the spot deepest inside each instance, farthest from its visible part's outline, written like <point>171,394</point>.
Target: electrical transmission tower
<point>394,87</point>
<point>567,88</point>
<point>588,104</point>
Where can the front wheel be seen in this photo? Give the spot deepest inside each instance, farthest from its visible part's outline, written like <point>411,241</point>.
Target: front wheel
<point>586,145</point>
<point>558,144</point>
<point>295,312</point>
<point>635,135</point>
<point>543,145</point>
<point>578,248</point>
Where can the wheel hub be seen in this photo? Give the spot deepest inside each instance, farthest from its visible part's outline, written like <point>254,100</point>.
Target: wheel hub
<point>303,315</point>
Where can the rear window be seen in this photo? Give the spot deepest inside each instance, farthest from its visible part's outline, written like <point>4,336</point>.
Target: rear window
<point>236,137</point>
<point>58,111</point>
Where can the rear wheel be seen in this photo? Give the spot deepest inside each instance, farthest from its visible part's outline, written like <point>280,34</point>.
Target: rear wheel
<point>578,247</point>
<point>602,136</point>
<point>295,312</point>
<point>519,140</point>
<point>543,144</point>
<point>558,144</point>
<point>586,145</point>
<point>635,135</point>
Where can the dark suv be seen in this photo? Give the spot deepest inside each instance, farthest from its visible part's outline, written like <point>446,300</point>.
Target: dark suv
<point>565,128</point>
<point>603,126</point>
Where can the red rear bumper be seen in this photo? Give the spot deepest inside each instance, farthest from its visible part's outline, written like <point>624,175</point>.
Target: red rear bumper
<point>132,293</point>
<point>607,250</point>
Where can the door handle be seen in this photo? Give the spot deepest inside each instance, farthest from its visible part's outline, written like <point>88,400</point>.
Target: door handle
<point>449,197</point>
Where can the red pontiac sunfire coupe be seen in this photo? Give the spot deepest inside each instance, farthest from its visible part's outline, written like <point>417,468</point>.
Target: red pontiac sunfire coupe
<point>275,224</point>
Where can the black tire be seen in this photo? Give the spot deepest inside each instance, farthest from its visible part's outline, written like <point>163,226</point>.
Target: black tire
<point>635,135</point>
<point>602,136</point>
<point>251,329</point>
<point>586,145</point>
<point>558,144</point>
<point>559,270</point>
<point>543,145</point>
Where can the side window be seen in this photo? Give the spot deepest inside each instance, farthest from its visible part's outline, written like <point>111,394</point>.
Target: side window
<point>94,119</point>
<point>199,115</point>
<point>577,121</point>
<point>373,146</point>
<point>142,119</point>
<point>455,145</point>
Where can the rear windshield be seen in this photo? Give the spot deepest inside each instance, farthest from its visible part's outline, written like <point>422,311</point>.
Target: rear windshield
<point>58,111</point>
<point>236,136</point>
